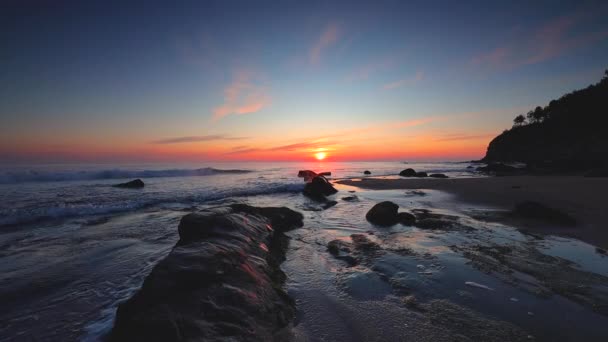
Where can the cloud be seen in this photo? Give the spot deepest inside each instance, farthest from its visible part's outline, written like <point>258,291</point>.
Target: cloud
<point>328,37</point>
<point>243,96</point>
<point>364,72</point>
<point>179,140</point>
<point>550,40</point>
<point>407,81</point>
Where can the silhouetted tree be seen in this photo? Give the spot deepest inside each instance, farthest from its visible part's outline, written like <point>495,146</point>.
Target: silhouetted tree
<point>519,120</point>
<point>536,115</point>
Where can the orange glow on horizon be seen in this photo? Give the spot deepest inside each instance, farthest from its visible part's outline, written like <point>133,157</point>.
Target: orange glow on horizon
<point>320,155</point>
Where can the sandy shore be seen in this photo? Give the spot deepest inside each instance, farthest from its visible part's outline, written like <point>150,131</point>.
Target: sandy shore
<point>582,198</point>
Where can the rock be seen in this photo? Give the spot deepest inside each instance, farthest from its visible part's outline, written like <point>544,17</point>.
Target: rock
<point>222,281</point>
<point>600,251</point>
<point>362,242</point>
<point>421,174</point>
<point>438,175</point>
<point>328,204</point>
<point>367,172</point>
<point>497,168</point>
<point>318,188</point>
<point>408,173</point>
<point>350,198</point>
<point>470,167</point>
<point>434,223</point>
<point>336,246</point>
<point>134,184</point>
<point>383,214</point>
<point>406,219</point>
<point>535,210</point>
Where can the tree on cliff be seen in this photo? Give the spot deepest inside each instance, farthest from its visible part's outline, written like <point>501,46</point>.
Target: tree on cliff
<point>519,120</point>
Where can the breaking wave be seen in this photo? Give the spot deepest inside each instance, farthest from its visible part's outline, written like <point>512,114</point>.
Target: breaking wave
<point>12,177</point>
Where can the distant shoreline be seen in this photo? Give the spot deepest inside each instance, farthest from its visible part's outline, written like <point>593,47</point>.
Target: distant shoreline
<point>583,198</point>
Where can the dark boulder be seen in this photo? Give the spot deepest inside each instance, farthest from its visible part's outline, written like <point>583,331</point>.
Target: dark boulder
<point>535,210</point>
<point>336,246</point>
<point>408,173</point>
<point>421,174</point>
<point>438,175</point>
<point>319,188</point>
<point>134,184</point>
<point>367,172</point>
<point>222,281</point>
<point>350,198</point>
<point>406,219</point>
<point>383,214</point>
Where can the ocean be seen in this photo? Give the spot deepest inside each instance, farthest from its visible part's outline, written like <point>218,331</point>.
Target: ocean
<point>72,247</point>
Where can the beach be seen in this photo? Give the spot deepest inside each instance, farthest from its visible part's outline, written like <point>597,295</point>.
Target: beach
<point>461,268</point>
<point>581,197</point>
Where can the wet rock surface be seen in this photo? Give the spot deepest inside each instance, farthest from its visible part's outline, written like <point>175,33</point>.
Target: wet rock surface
<point>221,281</point>
<point>554,274</point>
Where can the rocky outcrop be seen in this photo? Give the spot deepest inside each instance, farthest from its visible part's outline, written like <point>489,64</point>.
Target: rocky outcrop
<point>367,172</point>
<point>134,184</point>
<point>438,175</point>
<point>421,174</point>
<point>386,214</point>
<point>222,281</point>
<point>567,135</point>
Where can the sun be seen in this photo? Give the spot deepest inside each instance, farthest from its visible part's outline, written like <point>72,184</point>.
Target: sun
<point>320,155</point>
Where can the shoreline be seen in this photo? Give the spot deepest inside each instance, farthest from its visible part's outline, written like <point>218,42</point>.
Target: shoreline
<point>580,197</point>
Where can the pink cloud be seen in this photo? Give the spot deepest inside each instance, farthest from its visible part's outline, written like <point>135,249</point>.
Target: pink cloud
<point>328,37</point>
<point>243,96</point>
<point>407,81</point>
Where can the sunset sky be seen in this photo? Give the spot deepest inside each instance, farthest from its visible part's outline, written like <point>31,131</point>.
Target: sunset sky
<point>283,80</point>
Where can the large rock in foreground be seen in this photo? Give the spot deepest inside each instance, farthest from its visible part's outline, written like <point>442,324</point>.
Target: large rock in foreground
<point>221,282</point>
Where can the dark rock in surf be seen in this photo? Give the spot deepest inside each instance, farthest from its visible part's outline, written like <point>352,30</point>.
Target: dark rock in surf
<point>367,172</point>
<point>383,214</point>
<point>222,281</point>
<point>408,173</point>
<point>134,184</point>
<point>319,188</point>
<point>438,175</point>
<point>406,219</point>
<point>535,210</point>
<point>421,174</point>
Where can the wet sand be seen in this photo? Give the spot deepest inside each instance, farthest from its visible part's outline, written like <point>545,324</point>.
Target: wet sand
<point>582,198</point>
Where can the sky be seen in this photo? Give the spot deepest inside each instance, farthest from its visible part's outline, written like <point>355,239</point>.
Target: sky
<point>283,80</point>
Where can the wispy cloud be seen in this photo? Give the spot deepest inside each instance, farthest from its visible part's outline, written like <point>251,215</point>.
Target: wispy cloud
<point>364,72</point>
<point>406,81</point>
<point>197,138</point>
<point>550,40</point>
<point>328,37</point>
<point>244,95</point>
